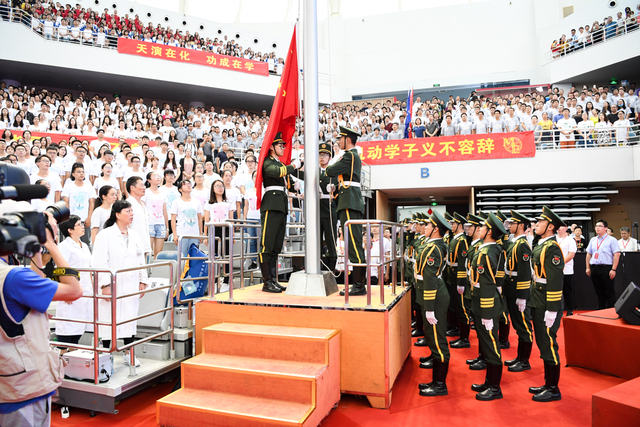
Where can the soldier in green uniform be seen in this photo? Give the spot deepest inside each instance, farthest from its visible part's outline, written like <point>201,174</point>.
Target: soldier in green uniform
<point>546,302</point>
<point>487,305</point>
<point>409,261</point>
<point>328,214</point>
<point>273,212</point>
<point>350,204</point>
<point>517,288</point>
<point>505,325</point>
<point>429,268</point>
<point>419,244</point>
<point>473,228</point>
<point>453,327</point>
<point>458,251</point>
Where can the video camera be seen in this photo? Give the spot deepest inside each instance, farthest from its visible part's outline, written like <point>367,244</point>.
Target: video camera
<point>24,230</point>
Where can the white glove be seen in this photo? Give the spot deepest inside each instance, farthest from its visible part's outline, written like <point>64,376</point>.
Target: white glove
<point>460,289</point>
<point>297,186</point>
<point>431,317</point>
<point>521,303</point>
<point>296,163</point>
<point>550,318</point>
<point>331,188</point>
<point>499,290</point>
<point>488,323</point>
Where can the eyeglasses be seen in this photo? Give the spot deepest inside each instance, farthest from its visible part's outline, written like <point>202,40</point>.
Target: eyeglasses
<point>251,161</point>
<point>218,186</point>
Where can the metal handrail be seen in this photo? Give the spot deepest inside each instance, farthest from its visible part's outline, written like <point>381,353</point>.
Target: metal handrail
<point>113,279</point>
<point>395,256</point>
<point>226,226</point>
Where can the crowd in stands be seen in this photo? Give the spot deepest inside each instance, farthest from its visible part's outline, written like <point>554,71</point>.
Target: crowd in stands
<point>588,35</point>
<point>75,24</point>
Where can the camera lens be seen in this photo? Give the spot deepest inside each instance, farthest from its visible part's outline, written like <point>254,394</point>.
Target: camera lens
<point>60,211</point>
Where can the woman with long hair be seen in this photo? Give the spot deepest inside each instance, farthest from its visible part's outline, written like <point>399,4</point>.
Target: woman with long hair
<point>148,158</point>
<point>78,255</point>
<point>603,131</point>
<point>219,209</point>
<point>170,162</point>
<point>107,196</point>
<point>156,204</point>
<point>118,247</point>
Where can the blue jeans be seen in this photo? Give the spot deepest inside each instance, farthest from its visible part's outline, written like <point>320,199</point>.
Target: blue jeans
<point>185,244</point>
<point>583,142</point>
<point>253,243</point>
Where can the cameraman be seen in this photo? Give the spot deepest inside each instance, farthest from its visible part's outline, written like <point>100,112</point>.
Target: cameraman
<point>31,370</point>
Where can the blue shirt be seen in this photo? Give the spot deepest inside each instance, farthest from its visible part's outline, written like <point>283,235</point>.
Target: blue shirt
<point>25,290</point>
<point>602,250</point>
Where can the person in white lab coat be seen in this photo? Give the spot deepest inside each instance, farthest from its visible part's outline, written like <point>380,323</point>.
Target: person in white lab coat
<point>118,247</point>
<point>77,255</point>
<point>135,189</point>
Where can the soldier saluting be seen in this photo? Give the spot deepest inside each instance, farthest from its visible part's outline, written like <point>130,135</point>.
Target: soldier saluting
<point>350,205</point>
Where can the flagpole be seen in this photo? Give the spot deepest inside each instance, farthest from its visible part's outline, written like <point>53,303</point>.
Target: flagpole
<point>311,156</point>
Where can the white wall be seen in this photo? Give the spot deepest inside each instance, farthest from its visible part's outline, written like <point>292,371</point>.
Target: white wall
<point>570,166</point>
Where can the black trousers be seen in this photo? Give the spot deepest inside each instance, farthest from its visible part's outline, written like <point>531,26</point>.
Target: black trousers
<point>603,285</point>
<point>568,292</point>
<point>127,341</point>
<point>274,225</point>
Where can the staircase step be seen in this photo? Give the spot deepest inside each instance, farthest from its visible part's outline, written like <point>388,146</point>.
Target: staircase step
<point>269,342</point>
<point>272,379</point>
<point>187,407</point>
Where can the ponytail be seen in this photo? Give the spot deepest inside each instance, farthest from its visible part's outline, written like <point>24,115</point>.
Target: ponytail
<point>117,207</point>
<point>104,190</point>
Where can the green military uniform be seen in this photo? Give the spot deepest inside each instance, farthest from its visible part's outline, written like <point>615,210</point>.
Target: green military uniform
<point>350,205</point>
<point>328,213</point>
<point>419,243</point>
<point>546,302</point>
<point>273,216</point>
<point>429,268</point>
<point>456,261</point>
<point>517,286</point>
<point>487,305</point>
<point>503,330</point>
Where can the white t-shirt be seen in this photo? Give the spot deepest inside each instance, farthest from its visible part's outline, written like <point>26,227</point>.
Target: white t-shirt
<point>252,198</point>
<point>219,211</point>
<point>186,216</point>
<point>234,196</point>
<point>101,181</point>
<point>171,194</point>
<point>630,245</point>
<point>565,125</point>
<point>79,198</point>
<point>201,196</point>
<point>155,203</point>
<point>28,166</point>
<point>99,216</point>
<point>54,182</point>
<point>567,244</point>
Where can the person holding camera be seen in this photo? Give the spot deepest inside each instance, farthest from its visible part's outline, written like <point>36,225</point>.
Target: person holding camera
<point>78,255</point>
<point>117,247</point>
<point>31,370</point>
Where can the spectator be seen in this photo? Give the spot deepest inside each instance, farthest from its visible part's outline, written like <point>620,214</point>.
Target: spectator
<point>136,190</point>
<point>581,243</point>
<point>603,254</point>
<point>107,196</point>
<point>156,205</point>
<point>585,129</point>
<point>627,243</point>
<point>80,196</point>
<point>621,129</point>
<point>569,249</point>
<point>395,132</point>
<point>566,126</point>
<point>186,218</point>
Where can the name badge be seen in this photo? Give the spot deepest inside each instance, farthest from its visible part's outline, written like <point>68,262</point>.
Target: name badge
<point>138,252</point>
<point>596,255</point>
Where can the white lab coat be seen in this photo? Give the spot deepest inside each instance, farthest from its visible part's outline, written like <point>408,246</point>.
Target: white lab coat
<point>112,252</point>
<point>82,308</point>
<point>140,223</point>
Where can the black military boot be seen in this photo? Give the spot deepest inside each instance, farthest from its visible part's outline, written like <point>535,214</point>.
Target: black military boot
<point>426,359</point>
<point>536,390</point>
<point>494,376</point>
<point>359,287</point>
<point>273,269</point>
<point>438,387</point>
<point>551,391</point>
<point>522,362</point>
<point>481,387</point>
<point>463,341</point>
<point>267,285</point>
<point>503,335</point>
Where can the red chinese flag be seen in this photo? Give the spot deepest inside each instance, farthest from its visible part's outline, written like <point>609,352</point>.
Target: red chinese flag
<point>285,110</point>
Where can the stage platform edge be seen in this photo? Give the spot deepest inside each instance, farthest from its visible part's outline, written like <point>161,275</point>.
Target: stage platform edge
<point>375,341</point>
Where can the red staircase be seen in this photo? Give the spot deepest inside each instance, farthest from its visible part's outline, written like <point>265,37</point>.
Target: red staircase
<point>254,375</point>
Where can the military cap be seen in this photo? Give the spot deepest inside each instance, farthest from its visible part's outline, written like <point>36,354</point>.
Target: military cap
<point>439,221</point>
<point>501,216</point>
<point>483,215</point>
<point>350,133</point>
<point>448,216</point>
<point>518,217</point>
<point>278,138</point>
<point>494,223</point>
<point>459,218</point>
<point>474,219</point>
<point>552,217</point>
<point>414,218</point>
<point>326,148</point>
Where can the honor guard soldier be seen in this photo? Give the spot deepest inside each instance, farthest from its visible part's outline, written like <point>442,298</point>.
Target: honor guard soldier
<point>409,261</point>
<point>350,204</point>
<point>328,214</point>
<point>419,244</point>
<point>546,302</point>
<point>517,288</point>
<point>458,250</point>
<point>429,268</point>
<point>273,212</point>
<point>452,322</point>
<point>505,326</point>
<point>486,304</point>
<point>473,228</point>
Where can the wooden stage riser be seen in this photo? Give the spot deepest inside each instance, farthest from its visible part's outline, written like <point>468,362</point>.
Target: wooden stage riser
<point>373,344</point>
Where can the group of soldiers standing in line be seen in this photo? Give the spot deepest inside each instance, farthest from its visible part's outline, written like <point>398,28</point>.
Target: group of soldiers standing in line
<point>480,272</point>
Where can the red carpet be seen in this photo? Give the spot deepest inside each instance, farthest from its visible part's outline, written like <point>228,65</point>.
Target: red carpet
<point>408,408</point>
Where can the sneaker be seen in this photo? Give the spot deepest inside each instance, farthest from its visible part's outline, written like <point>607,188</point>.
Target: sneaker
<point>125,360</point>
<point>224,287</point>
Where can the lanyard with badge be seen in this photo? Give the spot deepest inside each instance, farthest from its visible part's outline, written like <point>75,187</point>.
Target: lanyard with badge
<point>598,244</point>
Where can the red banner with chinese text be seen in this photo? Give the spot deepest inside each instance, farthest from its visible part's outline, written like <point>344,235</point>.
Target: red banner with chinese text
<point>57,137</point>
<point>190,56</point>
<point>449,148</point>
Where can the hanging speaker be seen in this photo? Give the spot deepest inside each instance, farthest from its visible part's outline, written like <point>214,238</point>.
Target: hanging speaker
<point>628,305</point>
